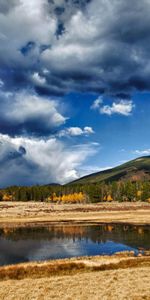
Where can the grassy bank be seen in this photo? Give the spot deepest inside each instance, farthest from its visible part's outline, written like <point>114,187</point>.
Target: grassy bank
<point>121,276</point>
<point>74,265</point>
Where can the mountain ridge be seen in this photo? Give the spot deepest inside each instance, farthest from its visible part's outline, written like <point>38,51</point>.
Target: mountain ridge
<point>134,170</point>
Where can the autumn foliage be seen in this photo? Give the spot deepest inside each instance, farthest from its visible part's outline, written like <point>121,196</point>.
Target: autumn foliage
<point>7,197</point>
<point>70,198</point>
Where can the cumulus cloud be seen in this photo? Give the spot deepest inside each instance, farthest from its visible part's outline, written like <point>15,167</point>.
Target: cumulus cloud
<point>29,113</point>
<point>98,46</point>
<point>39,161</point>
<point>104,46</point>
<point>76,131</point>
<point>122,107</point>
<point>25,25</point>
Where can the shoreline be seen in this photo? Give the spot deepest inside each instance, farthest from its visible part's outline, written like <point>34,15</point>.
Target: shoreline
<point>28,223</point>
<point>74,265</point>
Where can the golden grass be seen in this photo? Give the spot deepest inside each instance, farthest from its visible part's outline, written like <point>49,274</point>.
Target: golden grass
<point>117,284</point>
<point>72,266</point>
<point>26,213</point>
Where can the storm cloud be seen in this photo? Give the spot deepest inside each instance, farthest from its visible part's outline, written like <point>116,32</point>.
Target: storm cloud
<point>33,161</point>
<point>61,46</point>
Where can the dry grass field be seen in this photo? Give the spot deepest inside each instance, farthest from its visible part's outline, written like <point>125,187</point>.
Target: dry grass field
<point>15,213</point>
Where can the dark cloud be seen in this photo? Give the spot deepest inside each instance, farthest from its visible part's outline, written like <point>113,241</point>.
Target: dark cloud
<point>11,155</point>
<point>29,114</point>
<point>13,161</point>
<point>26,49</point>
<point>106,46</point>
<point>96,46</point>
<point>22,150</point>
<point>27,161</point>
<point>7,5</point>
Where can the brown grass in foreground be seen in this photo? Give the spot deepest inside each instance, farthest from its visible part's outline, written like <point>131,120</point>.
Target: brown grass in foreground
<point>117,284</point>
<point>72,266</point>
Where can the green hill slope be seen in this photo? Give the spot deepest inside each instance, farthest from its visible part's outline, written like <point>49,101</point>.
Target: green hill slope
<point>137,169</point>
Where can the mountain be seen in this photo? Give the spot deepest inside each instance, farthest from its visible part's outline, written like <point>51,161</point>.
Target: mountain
<point>134,170</point>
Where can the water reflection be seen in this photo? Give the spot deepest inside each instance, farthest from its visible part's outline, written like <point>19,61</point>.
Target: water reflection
<point>49,242</point>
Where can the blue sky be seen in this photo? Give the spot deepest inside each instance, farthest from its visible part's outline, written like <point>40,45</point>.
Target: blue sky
<point>74,87</point>
<point>120,137</point>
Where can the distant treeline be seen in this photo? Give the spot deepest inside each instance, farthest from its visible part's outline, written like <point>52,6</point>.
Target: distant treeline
<point>98,192</point>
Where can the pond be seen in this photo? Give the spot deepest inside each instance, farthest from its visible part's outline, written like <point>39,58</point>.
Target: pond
<point>51,242</point>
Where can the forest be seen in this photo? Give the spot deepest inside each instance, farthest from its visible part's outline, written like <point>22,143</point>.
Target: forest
<point>88,193</point>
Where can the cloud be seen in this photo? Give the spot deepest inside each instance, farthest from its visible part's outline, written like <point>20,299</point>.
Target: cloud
<point>1,83</point>
<point>96,46</point>
<point>39,161</point>
<point>37,28</point>
<point>6,5</point>
<point>96,104</point>
<point>28,113</point>
<point>76,131</point>
<point>142,152</point>
<point>37,79</point>
<point>122,107</point>
<point>105,42</point>
<point>88,169</point>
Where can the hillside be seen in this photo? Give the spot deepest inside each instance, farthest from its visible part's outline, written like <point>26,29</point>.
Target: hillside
<point>137,169</point>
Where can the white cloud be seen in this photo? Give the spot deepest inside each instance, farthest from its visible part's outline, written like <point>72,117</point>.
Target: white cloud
<point>31,161</point>
<point>76,131</point>
<point>28,106</point>
<point>37,79</point>
<point>88,130</point>
<point>26,21</point>
<point>96,104</point>
<point>87,170</point>
<point>31,113</point>
<point>122,107</point>
<point>142,152</point>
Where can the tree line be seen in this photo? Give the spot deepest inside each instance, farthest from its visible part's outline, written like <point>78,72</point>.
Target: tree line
<point>98,192</point>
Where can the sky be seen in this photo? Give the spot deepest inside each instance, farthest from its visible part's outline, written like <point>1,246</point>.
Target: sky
<point>74,87</point>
